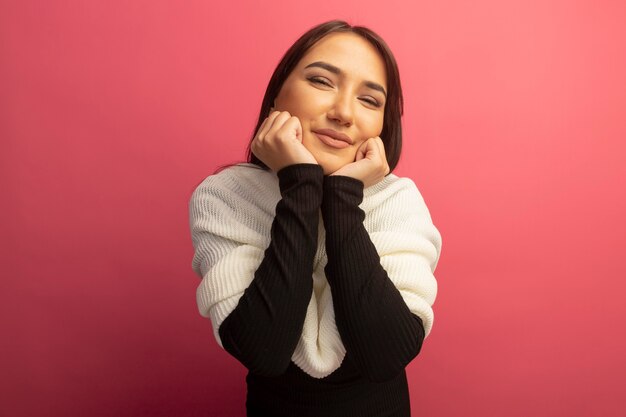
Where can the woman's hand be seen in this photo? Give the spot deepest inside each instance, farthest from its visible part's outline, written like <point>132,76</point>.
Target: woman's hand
<point>370,165</point>
<point>278,142</point>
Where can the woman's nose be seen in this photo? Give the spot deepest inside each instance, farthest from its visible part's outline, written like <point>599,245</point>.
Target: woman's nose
<point>342,110</point>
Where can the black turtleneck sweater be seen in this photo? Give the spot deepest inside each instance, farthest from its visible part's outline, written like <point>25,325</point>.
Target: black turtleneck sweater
<point>379,332</point>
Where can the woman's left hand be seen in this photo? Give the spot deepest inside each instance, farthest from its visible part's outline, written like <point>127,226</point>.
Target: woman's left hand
<point>370,165</point>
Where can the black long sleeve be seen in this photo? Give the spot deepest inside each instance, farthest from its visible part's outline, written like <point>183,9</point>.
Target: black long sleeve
<point>263,330</point>
<point>374,322</point>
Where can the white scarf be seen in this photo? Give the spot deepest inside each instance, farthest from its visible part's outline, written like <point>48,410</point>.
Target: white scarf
<point>231,215</point>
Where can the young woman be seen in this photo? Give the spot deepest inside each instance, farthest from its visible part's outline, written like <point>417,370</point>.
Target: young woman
<point>317,263</point>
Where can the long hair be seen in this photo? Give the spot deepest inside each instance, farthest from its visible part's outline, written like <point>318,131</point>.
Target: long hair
<point>391,134</point>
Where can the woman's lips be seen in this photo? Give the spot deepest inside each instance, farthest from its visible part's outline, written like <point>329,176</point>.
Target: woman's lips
<point>335,143</point>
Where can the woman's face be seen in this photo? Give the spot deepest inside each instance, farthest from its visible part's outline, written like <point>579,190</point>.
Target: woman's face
<point>339,84</point>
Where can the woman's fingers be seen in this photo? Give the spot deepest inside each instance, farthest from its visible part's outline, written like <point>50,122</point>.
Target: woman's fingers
<point>290,128</point>
<point>370,164</point>
<point>361,152</point>
<point>267,124</point>
<point>280,127</point>
<point>278,142</point>
<point>372,149</point>
<point>382,154</point>
<point>277,123</point>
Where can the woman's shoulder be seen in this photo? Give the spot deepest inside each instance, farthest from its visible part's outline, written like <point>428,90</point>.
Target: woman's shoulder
<point>396,197</point>
<point>392,187</point>
<point>238,177</point>
<point>396,204</point>
<point>239,183</point>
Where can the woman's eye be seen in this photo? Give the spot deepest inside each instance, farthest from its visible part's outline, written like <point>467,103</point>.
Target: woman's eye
<point>318,80</point>
<point>371,101</point>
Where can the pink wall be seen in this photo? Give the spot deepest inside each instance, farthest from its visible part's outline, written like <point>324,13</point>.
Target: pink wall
<point>111,112</point>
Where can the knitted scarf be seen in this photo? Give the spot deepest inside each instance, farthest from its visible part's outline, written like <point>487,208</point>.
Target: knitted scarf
<point>231,215</point>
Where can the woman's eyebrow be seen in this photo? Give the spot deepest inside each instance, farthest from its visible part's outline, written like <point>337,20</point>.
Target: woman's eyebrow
<point>336,70</point>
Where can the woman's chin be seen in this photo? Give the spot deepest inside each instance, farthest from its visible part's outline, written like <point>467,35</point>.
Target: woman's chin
<point>329,168</point>
<point>330,165</point>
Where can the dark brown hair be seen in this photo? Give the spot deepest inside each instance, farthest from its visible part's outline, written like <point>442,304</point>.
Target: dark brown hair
<point>391,134</point>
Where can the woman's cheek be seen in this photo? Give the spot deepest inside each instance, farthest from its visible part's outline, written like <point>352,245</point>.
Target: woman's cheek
<point>289,99</point>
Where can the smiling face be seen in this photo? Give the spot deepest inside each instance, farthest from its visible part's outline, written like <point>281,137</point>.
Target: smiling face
<point>339,84</point>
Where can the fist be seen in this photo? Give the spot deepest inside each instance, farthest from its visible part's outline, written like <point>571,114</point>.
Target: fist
<point>278,142</point>
<point>370,165</point>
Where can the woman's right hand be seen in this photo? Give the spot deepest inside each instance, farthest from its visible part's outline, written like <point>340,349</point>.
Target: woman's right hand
<point>278,142</point>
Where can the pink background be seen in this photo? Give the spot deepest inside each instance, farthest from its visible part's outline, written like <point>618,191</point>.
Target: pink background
<point>112,111</point>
